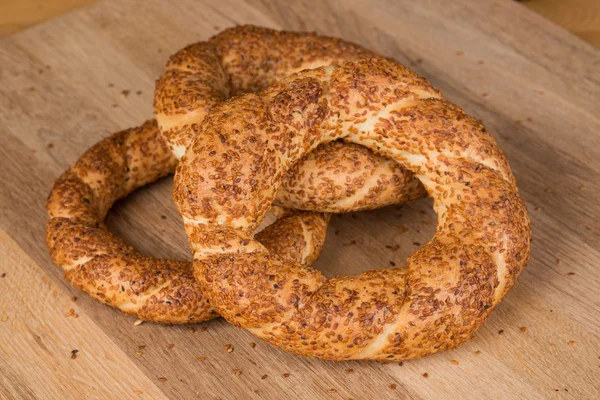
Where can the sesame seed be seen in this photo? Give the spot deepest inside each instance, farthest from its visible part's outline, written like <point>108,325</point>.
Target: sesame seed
<point>71,313</point>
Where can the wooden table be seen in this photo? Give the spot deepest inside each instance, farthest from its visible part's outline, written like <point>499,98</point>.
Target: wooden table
<point>535,86</point>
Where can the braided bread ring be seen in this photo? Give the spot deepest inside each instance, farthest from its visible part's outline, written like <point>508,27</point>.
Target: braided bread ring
<point>112,271</point>
<point>337,177</point>
<point>448,287</point>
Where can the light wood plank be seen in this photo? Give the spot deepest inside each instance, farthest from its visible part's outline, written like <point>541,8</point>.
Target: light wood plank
<point>37,339</point>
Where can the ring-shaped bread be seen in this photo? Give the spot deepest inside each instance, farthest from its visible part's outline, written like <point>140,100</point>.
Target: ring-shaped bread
<point>447,288</point>
<point>110,270</point>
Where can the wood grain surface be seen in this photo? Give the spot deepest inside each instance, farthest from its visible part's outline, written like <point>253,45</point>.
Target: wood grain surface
<point>535,87</point>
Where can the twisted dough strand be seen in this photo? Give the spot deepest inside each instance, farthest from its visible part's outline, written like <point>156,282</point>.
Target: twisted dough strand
<point>448,287</point>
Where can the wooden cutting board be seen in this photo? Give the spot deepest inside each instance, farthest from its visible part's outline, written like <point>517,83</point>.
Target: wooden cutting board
<point>69,82</point>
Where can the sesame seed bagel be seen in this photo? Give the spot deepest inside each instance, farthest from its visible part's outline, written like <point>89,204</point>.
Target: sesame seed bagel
<point>446,289</point>
<point>336,177</point>
<point>112,271</point>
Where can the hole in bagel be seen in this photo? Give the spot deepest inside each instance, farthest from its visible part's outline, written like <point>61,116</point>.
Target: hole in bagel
<point>376,239</point>
<point>148,220</point>
<point>356,242</point>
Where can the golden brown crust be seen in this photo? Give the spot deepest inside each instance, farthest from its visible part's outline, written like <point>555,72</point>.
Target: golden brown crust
<point>113,272</point>
<point>447,288</point>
